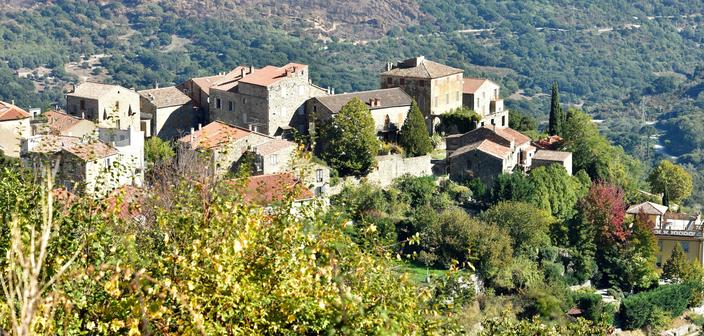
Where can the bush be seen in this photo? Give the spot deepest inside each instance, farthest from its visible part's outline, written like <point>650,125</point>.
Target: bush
<point>593,307</point>
<point>642,309</point>
<point>417,190</point>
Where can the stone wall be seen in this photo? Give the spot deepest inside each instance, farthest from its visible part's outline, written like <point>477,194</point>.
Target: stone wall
<point>390,167</point>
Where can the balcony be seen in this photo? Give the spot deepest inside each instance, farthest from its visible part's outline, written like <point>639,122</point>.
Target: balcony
<point>678,233</point>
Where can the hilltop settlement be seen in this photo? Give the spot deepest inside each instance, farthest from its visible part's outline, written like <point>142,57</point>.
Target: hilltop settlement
<point>276,136</point>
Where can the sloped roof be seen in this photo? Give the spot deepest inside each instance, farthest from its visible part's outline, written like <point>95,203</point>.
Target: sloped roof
<point>60,121</point>
<point>204,83</point>
<point>266,189</point>
<point>230,80</point>
<point>550,155</point>
<point>486,146</point>
<point>649,208</point>
<point>387,98</point>
<point>49,144</point>
<point>10,112</point>
<point>92,151</point>
<point>273,146</point>
<point>269,74</point>
<point>420,67</point>
<point>95,90</point>
<point>215,134</point>
<point>511,134</point>
<point>471,85</point>
<point>166,96</point>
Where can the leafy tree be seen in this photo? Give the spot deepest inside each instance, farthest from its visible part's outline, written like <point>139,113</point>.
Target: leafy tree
<point>348,143</point>
<point>512,187</point>
<point>678,266</point>
<point>556,117</point>
<point>528,226</point>
<point>458,121</point>
<point>414,136</point>
<point>672,179</point>
<point>555,190</point>
<point>520,122</point>
<point>157,151</point>
<point>640,256</point>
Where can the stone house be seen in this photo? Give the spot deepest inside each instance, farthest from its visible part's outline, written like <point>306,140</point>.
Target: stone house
<point>270,190</point>
<point>437,88</point>
<point>268,100</point>
<point>489,151</point>
<point>388,108</point>
<point>14,125</point>
<point>109,106</point>
<point>171,110</point>
<point>198,89</point>
<point>482,96</point>
<point>84,166</point>
<point>224,145</point>
<point>672,228</point>
<point>61,123</point>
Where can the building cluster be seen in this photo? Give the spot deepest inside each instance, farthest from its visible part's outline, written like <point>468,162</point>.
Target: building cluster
<point>247,117</point>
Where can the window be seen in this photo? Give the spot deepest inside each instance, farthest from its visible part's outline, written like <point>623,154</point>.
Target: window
<point>273,159</point>
<point>492,121</point>
<point>503,120</point>
<point>230,106</point>
<point>117,105</point>
<point>83,104</point>
<point>389,80</point>
<point>481,124</point>
<point>685,246</point>
<point>496,93</point>
<point>421,83</point>
<point>469,164</point>
<point>244,100</point>
<point>660,246</point>
<point>217,103</point>
<point>319,175</point>
<point>315,108</point>
<point>402,81</point>
<point>244,117</point>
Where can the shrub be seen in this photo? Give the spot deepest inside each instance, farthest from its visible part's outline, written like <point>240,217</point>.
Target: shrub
<point>642,309</point>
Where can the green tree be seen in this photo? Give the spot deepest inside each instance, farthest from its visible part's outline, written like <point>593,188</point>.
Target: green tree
<point>555,190</point>
<point>349,143</point>
<point>414,136</point>
<point>556,117</point>
<point>528,226</point>
<point>640,254</point>
<point>678,266</point>
<point>672,179</point>
<point>157,151</point>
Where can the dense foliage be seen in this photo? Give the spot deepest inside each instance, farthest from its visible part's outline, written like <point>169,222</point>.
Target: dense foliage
<point>414,136</point>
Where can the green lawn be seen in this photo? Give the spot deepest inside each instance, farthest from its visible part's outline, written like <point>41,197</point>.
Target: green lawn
<point>419,273</point>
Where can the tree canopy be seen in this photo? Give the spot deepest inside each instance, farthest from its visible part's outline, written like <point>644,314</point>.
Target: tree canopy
<point>414,137</point>
<point>671,179</point>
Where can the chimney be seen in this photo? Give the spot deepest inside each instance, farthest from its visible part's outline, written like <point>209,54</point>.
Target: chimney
<point>388,66</point>
<point>12,102</point>
<point>243,72</point>
<point>333,91</point>
<point>377,102</point>
<point>371,102</point>
<point>328,90</point>
<point>83,115</point>
<point>193,137</point>
<point>156,85</point>
<point>200,126</point>
<point>250,70</point>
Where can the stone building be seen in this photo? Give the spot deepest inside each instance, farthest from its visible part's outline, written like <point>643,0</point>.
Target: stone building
<point>109,106</point>
<point>223,146</point>
<point>171,110</point>
<point>267,100</point>
<point>672,228</point>
<point>271,190</point>
<point>130,144</point>
<point>482,96</point>
<point>388,107</point>
<point>198,89</point>
<point>14,125</point>
<point>60,123</point>
<point>437,88</point>
<point>489,151</point>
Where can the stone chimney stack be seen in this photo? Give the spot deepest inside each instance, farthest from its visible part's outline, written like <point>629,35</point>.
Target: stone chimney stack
<point>200,126</point>
<point>243,72</point>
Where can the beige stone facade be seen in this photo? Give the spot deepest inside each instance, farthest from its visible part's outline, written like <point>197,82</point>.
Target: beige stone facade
<point>171,111</point>
<point>483,96</point>
<point>110,106</point>
<point>14,125</point>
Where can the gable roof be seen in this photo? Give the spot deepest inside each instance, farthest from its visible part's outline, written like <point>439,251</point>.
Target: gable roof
<point>551,155</point>
<point>471,85</point>
<point>266,189</point>
<point>387,98</point>
<point>215,134</point>
<point>511,134</point>
<point>419,67</point>
<point>93,90</point>
<point>204,83</point>
<point>10,112</point>
<point>273,146</point>
<point>270,74</point>
<point>485,146</point>
<point>649,208</point>
<point>91,151</point>
<point>230,80</point>
<point>49,144</point>
<point>165,97</point>
<point>60,121</point>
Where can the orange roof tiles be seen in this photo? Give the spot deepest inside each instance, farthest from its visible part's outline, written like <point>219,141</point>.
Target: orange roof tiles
<point>486,146</point>
<point>511,134</point>
<point>270,74</point>
<point>60,121</point>
<point>266,189</point>
<point>10,112</point>
<point>215,134</point>
<point>471,85</point>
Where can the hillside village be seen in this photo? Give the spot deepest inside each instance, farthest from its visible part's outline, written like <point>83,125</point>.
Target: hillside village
<point>269,131</point>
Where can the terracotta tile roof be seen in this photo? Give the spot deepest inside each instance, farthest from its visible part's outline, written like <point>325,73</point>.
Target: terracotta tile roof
<point>549,155</point>
<point>387,98</point>
<point>266,189</point>
<point>11,112</point>
<point>419,67</point>
<point>551,142</point>
<point>60,121</point>
<point>95,90</point>
<point>649,208</point>
<point>273,146</point>
<point>230,80</point>
<point>471,85</point>
<point>50,144</point>
<point>215,134</point>
<point>511,134</point>
<point>486,146</point>
<point>205,83</point>
<point>130,203</point>
<point>91,151</point>
<point>165,97</point>
<point>269,74</point>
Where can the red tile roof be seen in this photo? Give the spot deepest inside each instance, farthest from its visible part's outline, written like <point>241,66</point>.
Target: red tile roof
<point>11,112</point>
<point>92,151</point>
<point>60,121</point>
<point>266,189</point>
<point>273,146</point>
<point>486,146</point>
<point>511,134</point>
<point>471,85</point>
<point>215,134</point>
<point>270,74</point>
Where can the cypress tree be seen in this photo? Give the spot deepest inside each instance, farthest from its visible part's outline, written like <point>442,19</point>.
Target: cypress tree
<point>677,267</point>
<point>414,137</point>
<point>556,116</point>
